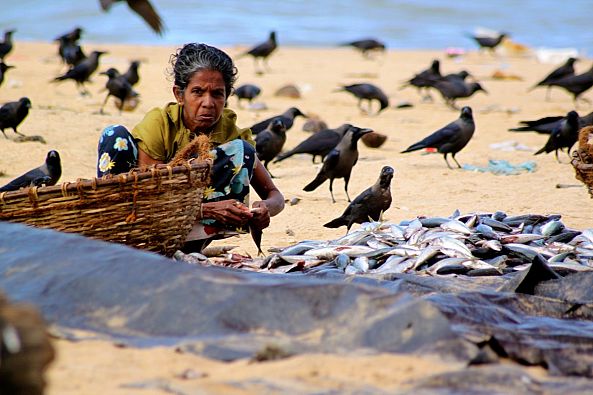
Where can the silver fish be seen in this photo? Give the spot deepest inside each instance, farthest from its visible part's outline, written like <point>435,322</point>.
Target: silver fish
<point>497,225</point>
<point>425,255</point>
<point>361,263</point>
<point>299,249</point>
<point>521,238</point>
<point>456,226</point>
<point>448,244</point>
<point>292,259</point>
<point>405,251</point>
<point>412,228</point>
<point>551,228</point>
<point>493,245</point>
<point>377,244</point>
<point>433,222</point>
<point>331,252</point>
<point>341,261</point>
<point>396,264</point>
<point>487,231</point>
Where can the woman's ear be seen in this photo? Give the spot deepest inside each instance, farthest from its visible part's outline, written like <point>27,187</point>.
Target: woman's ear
<point>178,95</point>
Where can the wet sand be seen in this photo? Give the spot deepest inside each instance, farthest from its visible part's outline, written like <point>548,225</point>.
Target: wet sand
<point>423,185</point>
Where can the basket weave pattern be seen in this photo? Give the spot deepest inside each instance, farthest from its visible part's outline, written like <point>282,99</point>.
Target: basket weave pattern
<point>582,158</point>
<point>152,209</point>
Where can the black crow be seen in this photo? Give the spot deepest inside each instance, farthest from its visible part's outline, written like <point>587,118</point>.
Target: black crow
<point>450,139</point>
<point>47,174</point>
<point>6,45</point>
<point>339,162</point>
<point>368,92</point>
<point>269,142</point>
<point>318,144</point>
<point>287,116</point>
<point>567,69</point>
<point>142,8</point>
<point>369,205</point>
<point>118,86</point>
<point>247,92</point>
<point>564,136</point>
<point>263,50</point>
<point>13,113</point>
<point>82,71</point>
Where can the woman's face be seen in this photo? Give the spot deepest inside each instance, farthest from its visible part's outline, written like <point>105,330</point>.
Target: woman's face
<point>202,100</point>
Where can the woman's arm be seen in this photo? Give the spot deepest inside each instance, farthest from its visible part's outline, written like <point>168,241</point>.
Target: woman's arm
<point>272,202</point>
<point>145,160</point>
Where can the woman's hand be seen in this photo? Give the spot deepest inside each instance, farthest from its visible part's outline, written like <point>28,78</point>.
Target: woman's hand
<point>231,212</point>
<point>261,215</point>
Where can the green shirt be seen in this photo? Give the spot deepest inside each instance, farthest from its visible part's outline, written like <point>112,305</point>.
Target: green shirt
<point>162,133</point>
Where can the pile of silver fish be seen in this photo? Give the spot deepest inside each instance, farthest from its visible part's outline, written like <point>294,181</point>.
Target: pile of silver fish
<point>484,244</point>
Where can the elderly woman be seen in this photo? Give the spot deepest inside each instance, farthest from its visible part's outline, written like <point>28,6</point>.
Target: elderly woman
<point>204,77</point>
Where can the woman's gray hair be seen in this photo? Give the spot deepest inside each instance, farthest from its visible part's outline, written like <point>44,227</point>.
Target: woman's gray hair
<point>194,57</point>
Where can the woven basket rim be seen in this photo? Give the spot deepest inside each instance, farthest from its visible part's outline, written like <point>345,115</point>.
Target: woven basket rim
<point>136,174</point>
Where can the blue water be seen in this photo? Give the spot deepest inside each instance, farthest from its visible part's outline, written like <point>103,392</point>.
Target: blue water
<point>423,24</point>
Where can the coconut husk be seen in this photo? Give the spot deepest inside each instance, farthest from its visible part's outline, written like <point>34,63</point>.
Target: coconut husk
<point>199,147</point>
<point>290,91</point>
<point>374,139</point>
<point>314,124</point>
<point>586,140</point>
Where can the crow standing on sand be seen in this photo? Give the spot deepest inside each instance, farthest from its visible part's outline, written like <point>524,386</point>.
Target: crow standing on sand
<point>566,70</point>
<point>247,92</point>
<point>368,92</point>
<point>13,113</point>
<point>548,125</point>
<point>287,117</point>
<point>450,139</point>
<point>453,89</point>
<point>132,75</point>
<point>3,68</point>
<point>70,52</point>
<point>47,174</point>
<point>72,36</point>
<point>263,50</point>
<point>425,79</point>
<point>564,136</point>
<point>6,45</point>
<point>117,85</point>
<point>82,71</point>
<point>339,162</point>
<point>142,8</point>
<point>489,43</point>
<point>366,45</point>
<point>269,142</point>
<point>318,144</point>
<point>371,203</point>
<point>576,84</point>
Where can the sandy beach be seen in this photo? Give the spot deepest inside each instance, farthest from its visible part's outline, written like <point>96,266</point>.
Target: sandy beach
<point>422,186</point>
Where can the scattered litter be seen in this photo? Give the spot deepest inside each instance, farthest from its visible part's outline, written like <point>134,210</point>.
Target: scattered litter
<point>22,139</point>
<point>404,104</point>
<point>555,55</point>
<point>257,106</point>
<point>453,52</point>
<point>503,167</point>
<point>501,75</point>
<point>510,145</point>
<point>498,108</point>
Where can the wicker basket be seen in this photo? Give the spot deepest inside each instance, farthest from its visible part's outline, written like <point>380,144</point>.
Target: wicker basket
<point>152,209</point>
<point>583,167</point>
